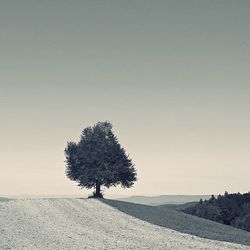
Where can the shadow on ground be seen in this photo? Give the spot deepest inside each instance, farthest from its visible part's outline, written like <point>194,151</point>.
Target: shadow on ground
<point>168,217</point>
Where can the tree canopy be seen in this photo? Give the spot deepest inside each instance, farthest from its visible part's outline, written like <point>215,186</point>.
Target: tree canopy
<point>99,160</point>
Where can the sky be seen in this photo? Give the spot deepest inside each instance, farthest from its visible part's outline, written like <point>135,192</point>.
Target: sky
<point>172,76</point>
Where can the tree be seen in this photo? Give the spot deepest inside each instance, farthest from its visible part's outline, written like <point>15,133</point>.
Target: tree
<point>99,160</point>
<point>229,209</point>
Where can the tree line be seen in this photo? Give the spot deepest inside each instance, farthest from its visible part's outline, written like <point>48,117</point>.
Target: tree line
<point>229,209</point>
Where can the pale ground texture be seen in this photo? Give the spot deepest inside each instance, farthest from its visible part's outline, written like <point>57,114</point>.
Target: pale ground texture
<point>87,224</point>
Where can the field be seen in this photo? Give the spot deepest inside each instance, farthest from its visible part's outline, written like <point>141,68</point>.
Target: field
<point>168,216</point>
<point>87,224</point>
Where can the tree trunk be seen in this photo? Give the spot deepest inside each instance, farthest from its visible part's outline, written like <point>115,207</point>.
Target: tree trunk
<point>98,190</point>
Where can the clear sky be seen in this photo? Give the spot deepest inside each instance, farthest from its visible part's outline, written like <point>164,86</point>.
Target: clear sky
<point>172,76</point>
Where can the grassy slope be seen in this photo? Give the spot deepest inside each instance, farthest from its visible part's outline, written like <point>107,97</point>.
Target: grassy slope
<point>178,207</point>
<point>166,216</point>
<point>61,224</point>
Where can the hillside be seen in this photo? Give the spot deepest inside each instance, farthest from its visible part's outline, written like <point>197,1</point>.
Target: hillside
<point>87,224</point>
<point>228,209</point>
<point>4,199</point>
<point>163,199</point>
<point>168,216</point>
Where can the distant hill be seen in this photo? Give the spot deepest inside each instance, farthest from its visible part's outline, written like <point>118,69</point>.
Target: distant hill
<point>167,216</point>
<point>179,207</point>
<point>164,199</point>
<point>4,199</point>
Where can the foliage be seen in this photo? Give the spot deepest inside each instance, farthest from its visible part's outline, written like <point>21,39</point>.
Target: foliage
<point>229,209</point>
<point>99,160</point>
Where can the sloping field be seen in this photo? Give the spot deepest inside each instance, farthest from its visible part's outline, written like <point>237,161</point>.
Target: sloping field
<point>168,216</point>
<point>87,224</point>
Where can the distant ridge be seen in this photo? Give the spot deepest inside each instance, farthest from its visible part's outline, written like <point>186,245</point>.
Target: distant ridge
<point>164,199</point>
<point>4,199</point>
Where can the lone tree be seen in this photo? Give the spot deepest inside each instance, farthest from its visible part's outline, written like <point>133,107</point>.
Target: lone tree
<point>99,160</point>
